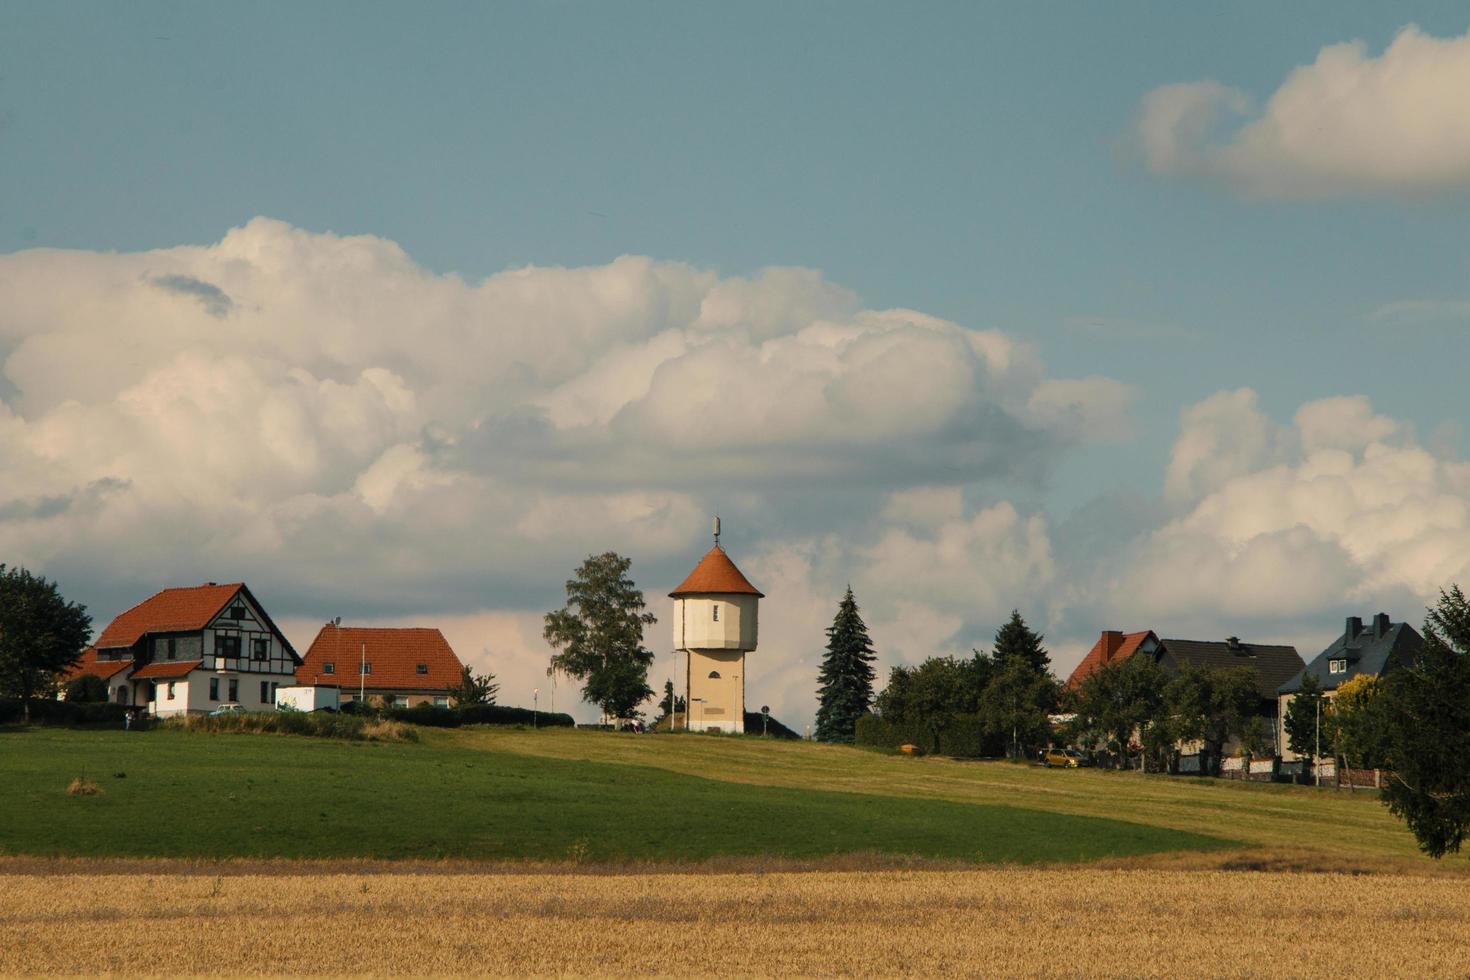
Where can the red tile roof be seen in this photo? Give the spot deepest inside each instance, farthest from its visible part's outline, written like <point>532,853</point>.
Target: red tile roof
<point>716,574</point>
<point>394,656</point>
<point>170,611</point>
<point>89,664</point>
<point>1111,647</point>
<point>166,670</point>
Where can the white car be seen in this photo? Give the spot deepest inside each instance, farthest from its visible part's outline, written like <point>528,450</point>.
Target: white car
<point>229,708</point>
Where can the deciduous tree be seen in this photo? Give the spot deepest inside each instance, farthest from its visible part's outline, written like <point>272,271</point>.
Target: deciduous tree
<point>41,634</point>
<point>1210,704</point>
<point>598,635</point>
<point>1119,699</point>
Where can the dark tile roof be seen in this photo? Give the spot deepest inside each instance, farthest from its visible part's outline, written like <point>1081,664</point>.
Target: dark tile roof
<point>1374,648</point>
<point>1272,664</point>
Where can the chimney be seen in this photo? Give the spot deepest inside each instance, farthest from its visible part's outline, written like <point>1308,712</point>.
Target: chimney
<point>1354,627</point>
<point>1111,641</point>
<point>1381,624</point>
<point>1233,643</point>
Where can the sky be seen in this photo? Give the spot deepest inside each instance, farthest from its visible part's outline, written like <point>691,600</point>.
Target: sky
<point>1127,316</point>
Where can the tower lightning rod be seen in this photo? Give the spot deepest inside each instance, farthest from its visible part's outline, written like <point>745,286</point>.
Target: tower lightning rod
<point>716,526</point>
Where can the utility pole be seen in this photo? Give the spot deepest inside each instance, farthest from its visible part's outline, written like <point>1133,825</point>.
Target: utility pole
<point>1317,751</point>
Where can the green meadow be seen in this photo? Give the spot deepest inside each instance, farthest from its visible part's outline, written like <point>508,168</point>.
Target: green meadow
<point>478,794</point>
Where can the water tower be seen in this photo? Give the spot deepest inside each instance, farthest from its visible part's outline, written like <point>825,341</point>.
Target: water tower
<point>715,613</point>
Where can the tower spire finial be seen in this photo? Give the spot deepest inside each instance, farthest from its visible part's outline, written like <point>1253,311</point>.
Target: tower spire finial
<point>716,528</point>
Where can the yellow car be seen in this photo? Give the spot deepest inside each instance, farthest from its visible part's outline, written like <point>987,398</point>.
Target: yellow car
<point>1065,758</point>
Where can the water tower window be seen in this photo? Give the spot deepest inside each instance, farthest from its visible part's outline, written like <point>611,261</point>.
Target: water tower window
<point>714,675</point>
<point>716,612</point>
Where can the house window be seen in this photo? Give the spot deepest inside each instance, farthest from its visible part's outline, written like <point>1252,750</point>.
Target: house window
<point>329,668</point>
<point>234,688</point>
<point>274,688</point>
<point>170,690</point>
<point>441,702</point>
<point>714,675</point>
<point>716,610</point>
<point>227,646</point>
<point>1337,666</point>
<point>170,645</point>
<point>367,667</point>
<point>400,700</point>
<point>265,692</point>
<point>260,648</point>
<point>237,612</point>
<point>423,668</point>
<point>214,689</point>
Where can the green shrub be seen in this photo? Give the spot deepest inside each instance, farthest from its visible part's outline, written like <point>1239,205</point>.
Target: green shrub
<point>315,724</point>
<point>961,736</point>
<point>65,714</point>
<point>499,714</point>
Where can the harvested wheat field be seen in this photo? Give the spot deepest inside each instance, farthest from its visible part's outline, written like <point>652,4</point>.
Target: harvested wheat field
<point>1049,922</point>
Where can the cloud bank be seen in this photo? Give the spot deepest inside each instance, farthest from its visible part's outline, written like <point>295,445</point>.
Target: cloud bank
<point>355,435</point>
<point>1348,123</point>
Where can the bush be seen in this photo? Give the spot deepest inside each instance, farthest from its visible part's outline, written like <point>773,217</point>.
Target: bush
<point>65,714</point>
<point>499,714</point>
<point>773,728</point>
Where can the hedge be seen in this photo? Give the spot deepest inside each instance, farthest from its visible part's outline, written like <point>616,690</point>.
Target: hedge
<point>70,714</point>
<point>960,736</point>
<point>433,716</point>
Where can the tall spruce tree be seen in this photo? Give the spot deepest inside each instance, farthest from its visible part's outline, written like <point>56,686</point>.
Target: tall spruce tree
<point>1017,640</point>
<point>846,677</point>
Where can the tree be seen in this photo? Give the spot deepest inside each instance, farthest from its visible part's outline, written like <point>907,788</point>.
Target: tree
<point>846,676</point>
<point>1120,700</point>
<point>1427,731</point>
<point>474,690</point>
<point>669,704</point>
<point>1210,704</point>
<point>1015,640</point>
<point>1359,727</point>
<point>598,636</point>
<point>86,687</point>
<point>41,634</point>
<point>1308,719</point>
<point>1017,702</point>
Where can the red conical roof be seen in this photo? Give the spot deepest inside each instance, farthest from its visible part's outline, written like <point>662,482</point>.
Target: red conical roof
<point>716,574</point>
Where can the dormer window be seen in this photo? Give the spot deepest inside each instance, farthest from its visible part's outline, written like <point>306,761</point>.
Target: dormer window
<point>329,668</point>
<point>1337,666</point>
<point>717,612</point>
<point>423,668</point>
<point>367,667</point>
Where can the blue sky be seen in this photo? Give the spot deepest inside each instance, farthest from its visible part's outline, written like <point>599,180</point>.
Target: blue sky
<point>976,162</point>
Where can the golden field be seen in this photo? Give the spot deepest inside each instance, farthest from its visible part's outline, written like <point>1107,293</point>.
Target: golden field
<point>997,921</point>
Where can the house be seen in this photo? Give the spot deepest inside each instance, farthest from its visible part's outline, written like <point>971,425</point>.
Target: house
<point>1373,651</point>
<point>1113,646</point>
<point>399,667</point>
<point>188,650</point>
<point>1270,664</point>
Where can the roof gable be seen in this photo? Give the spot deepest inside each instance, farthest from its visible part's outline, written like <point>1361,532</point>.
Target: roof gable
<point>395,655</point>
<point>170,611</point>
<point>716,574</point>
<point>1374,650</point>
<point>1112,646</point>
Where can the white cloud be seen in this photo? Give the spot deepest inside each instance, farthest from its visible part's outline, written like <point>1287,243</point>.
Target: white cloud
<point>1350,122</point>
<point>356,436</point>
<point>1342,507</point>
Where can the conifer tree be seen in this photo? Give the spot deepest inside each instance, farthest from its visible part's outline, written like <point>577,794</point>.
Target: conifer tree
<point>846,677</point>
<point>1016,639</point>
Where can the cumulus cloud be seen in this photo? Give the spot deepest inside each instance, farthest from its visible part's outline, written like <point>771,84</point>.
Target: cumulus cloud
<point>1343,506</point>
<point>1349,122</point>
<point>358,436</point>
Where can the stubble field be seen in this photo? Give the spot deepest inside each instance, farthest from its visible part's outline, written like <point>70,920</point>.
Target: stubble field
<point>1035,922</point>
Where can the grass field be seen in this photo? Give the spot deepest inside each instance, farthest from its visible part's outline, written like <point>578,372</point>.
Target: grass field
<point>993,922</point>
<point>196,794</point>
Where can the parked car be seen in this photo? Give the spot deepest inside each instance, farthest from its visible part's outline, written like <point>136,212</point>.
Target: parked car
<point>229,708</point>
<point>1062,758</point>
